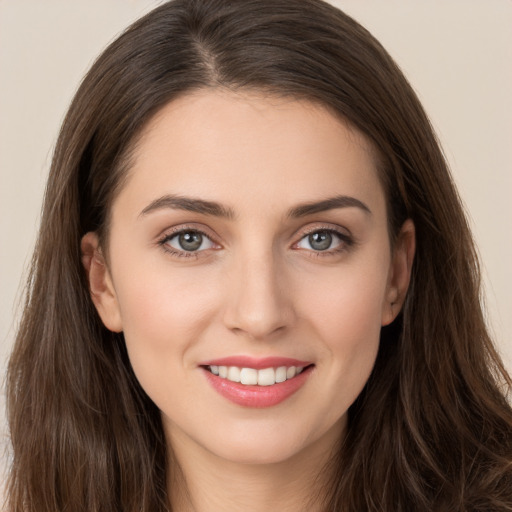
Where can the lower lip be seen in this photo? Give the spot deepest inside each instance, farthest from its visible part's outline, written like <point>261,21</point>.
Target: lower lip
<point>257,396</point>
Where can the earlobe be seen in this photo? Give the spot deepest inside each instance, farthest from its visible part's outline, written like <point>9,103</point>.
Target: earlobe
<point>101,287</point>
<point>400,272</point>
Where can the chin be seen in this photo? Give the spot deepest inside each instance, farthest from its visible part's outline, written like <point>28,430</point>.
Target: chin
<point>263,452</point>
<point>271,443</point>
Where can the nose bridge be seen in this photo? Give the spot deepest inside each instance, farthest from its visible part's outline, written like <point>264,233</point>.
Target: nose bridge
<point>258,303</point>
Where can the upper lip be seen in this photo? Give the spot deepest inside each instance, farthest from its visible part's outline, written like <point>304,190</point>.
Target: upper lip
<point>258,363</point>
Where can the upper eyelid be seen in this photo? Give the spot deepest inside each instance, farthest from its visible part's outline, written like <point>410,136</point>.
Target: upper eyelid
<point>176,230</point>
<point>305,231</point>
<point>170,236</point>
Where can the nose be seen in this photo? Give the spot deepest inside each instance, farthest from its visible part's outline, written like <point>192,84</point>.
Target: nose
<point>259,304</point>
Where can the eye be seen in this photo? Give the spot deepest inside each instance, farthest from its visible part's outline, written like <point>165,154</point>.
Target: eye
<point>189,240</point>
<point>324,240</point>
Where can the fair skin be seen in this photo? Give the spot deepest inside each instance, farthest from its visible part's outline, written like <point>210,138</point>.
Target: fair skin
<point>257,274</point>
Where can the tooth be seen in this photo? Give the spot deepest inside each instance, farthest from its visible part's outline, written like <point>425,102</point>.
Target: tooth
<point>290,373</point>
<point>234,374</point>
<point>281,374</point>
<point>266,377</point>
<point>249,376</point>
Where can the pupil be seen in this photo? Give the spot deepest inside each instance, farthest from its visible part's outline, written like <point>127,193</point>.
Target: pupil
<point>190,241</point>
<point>321,240</point>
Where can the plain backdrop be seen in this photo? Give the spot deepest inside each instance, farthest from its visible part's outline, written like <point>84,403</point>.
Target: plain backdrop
<point>456,54</point>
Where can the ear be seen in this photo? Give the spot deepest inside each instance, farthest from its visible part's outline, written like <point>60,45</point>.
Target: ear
<point>399,272</point>
<point>101,287</point>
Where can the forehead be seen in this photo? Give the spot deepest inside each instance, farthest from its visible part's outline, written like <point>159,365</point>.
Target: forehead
<point>250,148</point>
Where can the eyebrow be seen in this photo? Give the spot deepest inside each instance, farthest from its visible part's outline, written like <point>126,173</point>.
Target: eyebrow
<point>189,204</point>
<point>330,203</point>
<point>196,205</point>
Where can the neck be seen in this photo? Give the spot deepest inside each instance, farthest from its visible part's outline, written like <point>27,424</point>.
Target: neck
<point>201,481</point>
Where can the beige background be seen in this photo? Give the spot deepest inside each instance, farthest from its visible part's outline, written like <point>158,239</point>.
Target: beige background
<point>456,53</point>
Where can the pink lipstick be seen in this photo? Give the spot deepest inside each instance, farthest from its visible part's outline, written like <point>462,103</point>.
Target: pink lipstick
<point>256,382</point>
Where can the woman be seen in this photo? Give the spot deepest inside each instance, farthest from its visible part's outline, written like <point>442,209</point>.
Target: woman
<point>254,285</point>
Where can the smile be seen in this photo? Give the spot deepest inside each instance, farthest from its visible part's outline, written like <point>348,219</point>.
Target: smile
<point>253,377</point>
<point>257,383</point>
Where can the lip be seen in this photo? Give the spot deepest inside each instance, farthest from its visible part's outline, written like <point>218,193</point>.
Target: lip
<point>256,363</point>
<point>257,396</point>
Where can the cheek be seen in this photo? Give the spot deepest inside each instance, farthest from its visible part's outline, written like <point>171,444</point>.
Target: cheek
<point>348,304</point>
<point>346,316</point>
<point>163,313</point>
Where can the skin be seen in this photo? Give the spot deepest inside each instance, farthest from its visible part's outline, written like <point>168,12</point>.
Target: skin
<point>255,287</point>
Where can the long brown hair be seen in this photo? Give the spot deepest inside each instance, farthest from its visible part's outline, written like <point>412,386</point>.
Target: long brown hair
<point>432,430</point>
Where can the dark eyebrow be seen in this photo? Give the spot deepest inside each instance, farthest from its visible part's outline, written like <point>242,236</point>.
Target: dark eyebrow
<point>327,204</point>
<point>196,205</point>
<point>189,204</point>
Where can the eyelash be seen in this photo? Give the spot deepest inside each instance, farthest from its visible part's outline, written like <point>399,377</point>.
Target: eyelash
<point>346,242</point>
<point>163,242</point>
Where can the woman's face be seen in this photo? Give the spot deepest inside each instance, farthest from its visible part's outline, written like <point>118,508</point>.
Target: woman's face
<point>249,241</point>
